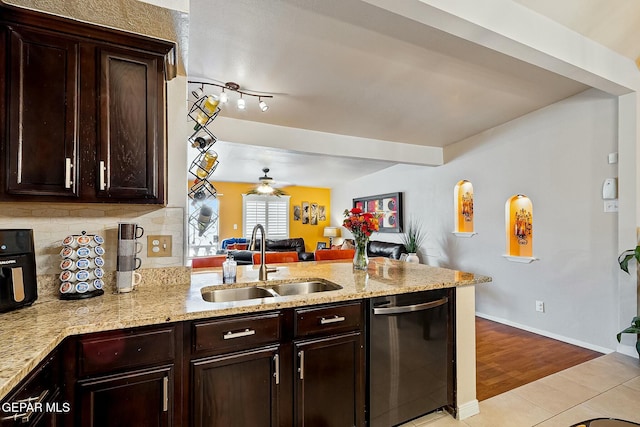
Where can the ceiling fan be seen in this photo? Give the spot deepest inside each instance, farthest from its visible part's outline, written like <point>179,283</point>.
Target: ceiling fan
<point>266,186</point>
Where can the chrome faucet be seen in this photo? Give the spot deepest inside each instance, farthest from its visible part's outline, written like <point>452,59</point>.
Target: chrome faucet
<point>262,275</point>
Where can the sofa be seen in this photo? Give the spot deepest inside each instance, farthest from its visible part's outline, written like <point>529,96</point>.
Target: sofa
<point>244,257</point>
<point>385,249</point>
<point>377,248</point>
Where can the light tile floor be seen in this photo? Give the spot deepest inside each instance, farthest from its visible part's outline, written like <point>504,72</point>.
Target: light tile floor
<point>608,386</point>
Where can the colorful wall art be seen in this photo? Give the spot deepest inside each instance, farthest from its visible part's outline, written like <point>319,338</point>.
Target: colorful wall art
<point>388,208</point>
<point>519,226</point>
<point>463,206</point>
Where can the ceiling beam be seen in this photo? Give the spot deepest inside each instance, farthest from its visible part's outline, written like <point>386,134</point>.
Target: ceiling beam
<point>314,142</point>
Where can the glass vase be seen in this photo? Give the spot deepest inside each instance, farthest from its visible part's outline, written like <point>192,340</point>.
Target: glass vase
<point>360,258</point>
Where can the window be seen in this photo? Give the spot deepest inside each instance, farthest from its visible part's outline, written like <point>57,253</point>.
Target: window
<point>203,241</point>
<point>270,211</point>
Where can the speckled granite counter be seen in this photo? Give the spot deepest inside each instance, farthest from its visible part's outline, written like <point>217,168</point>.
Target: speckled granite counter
<point>29,334</point>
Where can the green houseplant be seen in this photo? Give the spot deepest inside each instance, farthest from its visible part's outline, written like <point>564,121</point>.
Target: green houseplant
<point>413,237</point>
<point>623,260</point>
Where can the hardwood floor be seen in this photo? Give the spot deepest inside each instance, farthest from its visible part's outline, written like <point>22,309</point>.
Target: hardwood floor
<point>508,357</point>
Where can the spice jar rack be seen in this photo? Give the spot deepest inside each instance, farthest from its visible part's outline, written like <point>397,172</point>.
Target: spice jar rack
<point>82,266</point>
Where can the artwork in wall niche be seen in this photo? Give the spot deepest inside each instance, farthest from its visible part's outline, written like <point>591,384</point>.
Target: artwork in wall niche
<point>297,213</point>
<point>322,216</point>
<point>387,207</point>
<point>305,212</point>
<point>314,214</point>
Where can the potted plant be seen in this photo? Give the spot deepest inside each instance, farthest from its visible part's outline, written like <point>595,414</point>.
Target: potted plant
<point>623,260</point>
<point>412,238</point>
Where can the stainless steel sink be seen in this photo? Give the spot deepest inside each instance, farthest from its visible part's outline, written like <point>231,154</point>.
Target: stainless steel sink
<point>235,294</point>
<point>276,290</point>
<point>308,287</point>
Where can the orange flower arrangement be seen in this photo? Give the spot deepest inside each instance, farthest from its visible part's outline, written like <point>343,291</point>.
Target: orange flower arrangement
<point>361,224</point>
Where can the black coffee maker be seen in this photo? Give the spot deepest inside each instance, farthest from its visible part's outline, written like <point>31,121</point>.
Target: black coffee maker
<point>18,285</point>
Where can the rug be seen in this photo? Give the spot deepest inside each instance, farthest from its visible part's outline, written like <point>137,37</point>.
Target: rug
<point>605,422</point>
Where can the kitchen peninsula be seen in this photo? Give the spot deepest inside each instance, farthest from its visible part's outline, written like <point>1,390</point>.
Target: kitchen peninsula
<point>31,334</point>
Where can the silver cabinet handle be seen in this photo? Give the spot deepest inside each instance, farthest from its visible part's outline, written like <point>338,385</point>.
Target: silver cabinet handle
<point>103,183</point>
<point>301,368</point>
<point>410,308</point>
<point>25,417</point>
<point>231,335</point>
<point>165,394</point>
<point>67,173</point>
<point>276,364</point>
<point>334,319</point>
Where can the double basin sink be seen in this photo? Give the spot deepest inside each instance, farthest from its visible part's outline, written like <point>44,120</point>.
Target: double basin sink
<point>276,290</point>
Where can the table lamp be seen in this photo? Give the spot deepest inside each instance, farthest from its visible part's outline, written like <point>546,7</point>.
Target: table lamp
<point>331,232</point>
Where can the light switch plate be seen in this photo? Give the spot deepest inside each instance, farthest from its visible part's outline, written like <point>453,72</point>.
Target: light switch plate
<point>158,246</point>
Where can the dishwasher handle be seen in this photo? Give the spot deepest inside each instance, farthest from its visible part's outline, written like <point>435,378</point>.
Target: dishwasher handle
<point>410,308</point>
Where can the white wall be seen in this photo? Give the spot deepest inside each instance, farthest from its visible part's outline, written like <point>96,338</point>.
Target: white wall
<point>558,157</point>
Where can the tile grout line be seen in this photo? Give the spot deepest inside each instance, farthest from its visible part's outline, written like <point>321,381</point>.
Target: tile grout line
<point>576,405</point>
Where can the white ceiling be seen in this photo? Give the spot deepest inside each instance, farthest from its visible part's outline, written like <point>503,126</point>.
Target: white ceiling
<point>347,67</point>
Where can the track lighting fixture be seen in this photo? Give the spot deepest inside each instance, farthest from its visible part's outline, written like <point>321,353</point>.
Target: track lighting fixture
<point>198,93</point>
<point>263,105</point>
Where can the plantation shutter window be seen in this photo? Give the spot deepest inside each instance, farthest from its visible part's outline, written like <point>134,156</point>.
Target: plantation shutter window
<point>270,211</point>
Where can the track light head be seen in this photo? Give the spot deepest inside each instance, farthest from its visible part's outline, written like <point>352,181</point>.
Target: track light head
<point>241,104</point>
<point>263,105</point>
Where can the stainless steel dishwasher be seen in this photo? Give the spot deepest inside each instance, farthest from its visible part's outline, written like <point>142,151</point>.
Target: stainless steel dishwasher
<point>410,356</point>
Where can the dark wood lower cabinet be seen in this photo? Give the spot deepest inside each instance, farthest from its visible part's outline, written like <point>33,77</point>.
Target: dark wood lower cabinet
<point>139,398</point>
<point>37,401</point>
<point>237,390</point>
<point>283,368</point>
<point>329,386</point>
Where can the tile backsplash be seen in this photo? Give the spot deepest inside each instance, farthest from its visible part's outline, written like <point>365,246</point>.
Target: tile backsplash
<point>52,222</point>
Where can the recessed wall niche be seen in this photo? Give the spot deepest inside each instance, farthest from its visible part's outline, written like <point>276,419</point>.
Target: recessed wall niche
<point>463,209</point>
<point>519,229</point>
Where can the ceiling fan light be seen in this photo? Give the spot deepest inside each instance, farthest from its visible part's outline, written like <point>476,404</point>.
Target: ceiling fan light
<point>264,189</point>
<point>263,106</point>
<point>241,104</point>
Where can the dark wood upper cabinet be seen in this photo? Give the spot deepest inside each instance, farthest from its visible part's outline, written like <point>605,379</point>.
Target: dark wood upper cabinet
<point>42,143</point>
<point>82,111</point>
<point>131,94</point>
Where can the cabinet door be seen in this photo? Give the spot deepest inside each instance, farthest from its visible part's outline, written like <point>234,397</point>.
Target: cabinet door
<point>131,159</point>
<point>329,382</point>
<point>42,84</point>
<point>40,393</point>
<point>236,390</point>
<point>140,399</point>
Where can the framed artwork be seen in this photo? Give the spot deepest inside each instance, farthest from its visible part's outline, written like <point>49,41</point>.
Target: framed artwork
<point>297,213</point>
<point>321,245</point>
<point>388,208</point>
<point>322,215</point>
<point>314,214</point>
<point>305,212</point>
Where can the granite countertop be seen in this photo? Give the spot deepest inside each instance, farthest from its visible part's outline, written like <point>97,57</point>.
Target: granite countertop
<point>29,334</point>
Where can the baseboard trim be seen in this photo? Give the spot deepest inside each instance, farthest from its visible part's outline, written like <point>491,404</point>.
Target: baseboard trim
<point>629,350</point>
<point>468,409</point>
<point>547,334</point>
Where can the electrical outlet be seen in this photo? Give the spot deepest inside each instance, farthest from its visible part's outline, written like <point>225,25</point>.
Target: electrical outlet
<point>158,246</point>
<point>540,306</point>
